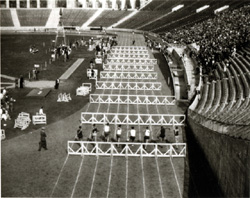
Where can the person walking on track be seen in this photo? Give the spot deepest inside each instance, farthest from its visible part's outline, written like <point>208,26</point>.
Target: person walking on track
<point>43,142</point>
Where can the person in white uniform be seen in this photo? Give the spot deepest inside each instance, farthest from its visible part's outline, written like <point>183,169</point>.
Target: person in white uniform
<point>132,134</point>
<point>106,132</point>
<point>118,134</point>
<point>146,136</point>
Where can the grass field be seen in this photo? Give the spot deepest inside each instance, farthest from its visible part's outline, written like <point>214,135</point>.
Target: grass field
<point>29,173</point>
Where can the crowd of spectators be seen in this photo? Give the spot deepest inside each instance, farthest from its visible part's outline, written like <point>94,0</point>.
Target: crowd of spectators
<point>217,38</point>
<point>7,105</point>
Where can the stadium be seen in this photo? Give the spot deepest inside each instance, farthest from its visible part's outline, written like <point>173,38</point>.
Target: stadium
<point>125,98</point>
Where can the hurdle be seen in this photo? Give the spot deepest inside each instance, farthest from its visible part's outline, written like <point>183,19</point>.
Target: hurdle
<point>132,99</point>
<point>153,149</point>
<point>129,48</point>
<point>130,52</point>
<point>133,61</point>
<point>128,75</point>
<point>128,85</point>
<point>138,68</point>
<point>133,119</point>
<point>121,55</point>
<point>39,119</point>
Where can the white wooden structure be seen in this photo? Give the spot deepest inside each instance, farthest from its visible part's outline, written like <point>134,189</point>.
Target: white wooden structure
<point>133,119</point>
<point>132,99</point>
<point>132,52</point>
<point>84,89</point>
<point>64,97</point>
<point>137,68</point>
<point>133,61</point>
<point>128,75</point>
<point>125,149</point>
<point>128,85</point>
<point>23,120</point>
<point>39,119</point>
<point>129,48</point>
<point>122,55</point>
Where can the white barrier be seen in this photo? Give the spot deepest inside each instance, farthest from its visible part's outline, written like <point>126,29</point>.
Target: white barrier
<point>131,51</point>
<point>3,134</point>
<point>64,97</point>
<point>125,149</point>
<point>23,120</point>
<point>132,61</point>
<point>128,85</point>
<point>132,99</point>
<point>39,119</point>
<point>111,67</point>
<point>129,48</point>
<point>89,73</point>
<point>128,75</point>
<point>133,119</point>
<point>135,56</point>
<point>84,89</point>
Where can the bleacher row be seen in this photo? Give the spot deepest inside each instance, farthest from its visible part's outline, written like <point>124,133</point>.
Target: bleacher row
<point>70,17</point>
<point>225,99</point>
<point>157,16</point>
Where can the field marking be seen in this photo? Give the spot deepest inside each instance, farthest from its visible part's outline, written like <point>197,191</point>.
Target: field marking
<point>71,69</point>
<point>158,170</point>
<point>143,179</point>
<point>126,185</point>
<point>65,161</point>
<point>93,180</point>
<point>77,178</point>
<point>178,185</point>
<point>110,175</point>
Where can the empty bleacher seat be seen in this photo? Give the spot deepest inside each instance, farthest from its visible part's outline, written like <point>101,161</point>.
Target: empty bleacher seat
<point>6,18</point>
<point>33,17</point>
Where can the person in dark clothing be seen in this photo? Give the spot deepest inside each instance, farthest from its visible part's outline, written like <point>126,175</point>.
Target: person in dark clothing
<point>21,81</point>
<point>133,42</point>
<point>57,84</point>
<point>43,142</point>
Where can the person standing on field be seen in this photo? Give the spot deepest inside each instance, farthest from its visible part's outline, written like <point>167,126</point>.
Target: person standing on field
<point>43,142</point>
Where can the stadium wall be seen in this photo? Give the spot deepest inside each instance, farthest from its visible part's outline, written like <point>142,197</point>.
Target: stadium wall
<point>228,158</point>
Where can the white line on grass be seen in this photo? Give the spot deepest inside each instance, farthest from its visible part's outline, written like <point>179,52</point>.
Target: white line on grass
<point>110,173</point>
<point>78,174</point>
<point>143,179</point>
<point>126,185</point>
<point>65,161</point>
<point>158,170</point>
<point>178,185</point>
<point>93,180</point>
<point>111,163</point>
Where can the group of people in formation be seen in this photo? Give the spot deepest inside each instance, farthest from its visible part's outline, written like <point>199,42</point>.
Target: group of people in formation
<point>132,134</point>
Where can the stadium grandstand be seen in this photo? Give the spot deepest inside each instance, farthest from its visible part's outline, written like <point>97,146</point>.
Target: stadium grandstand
<point>125,98</point>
